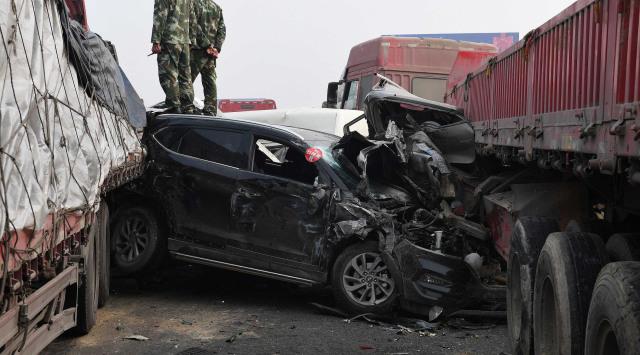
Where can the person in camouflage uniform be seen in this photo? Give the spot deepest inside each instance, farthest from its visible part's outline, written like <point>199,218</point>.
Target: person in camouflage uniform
<point>210,35</point>
<point>172,34</point>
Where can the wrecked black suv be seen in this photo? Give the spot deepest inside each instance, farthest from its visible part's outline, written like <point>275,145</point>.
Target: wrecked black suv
<point>371,218</point>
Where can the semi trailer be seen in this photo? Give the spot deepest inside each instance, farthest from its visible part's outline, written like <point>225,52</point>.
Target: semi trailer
<point>560,109</point>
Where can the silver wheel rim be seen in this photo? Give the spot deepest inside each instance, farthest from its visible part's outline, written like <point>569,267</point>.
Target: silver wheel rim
<point>132,239</point>
<point>366,280</point>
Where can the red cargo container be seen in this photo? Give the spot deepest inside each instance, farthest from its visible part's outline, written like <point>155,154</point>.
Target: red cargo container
<point>241,105</point>
<point>571,85</point>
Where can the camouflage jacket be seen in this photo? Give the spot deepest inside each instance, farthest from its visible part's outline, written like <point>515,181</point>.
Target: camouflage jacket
<point>210,30</point>
<point>173,21</point>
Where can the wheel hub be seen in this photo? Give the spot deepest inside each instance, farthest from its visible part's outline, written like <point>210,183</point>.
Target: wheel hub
<point>367,281</point>
<point>132,238</point>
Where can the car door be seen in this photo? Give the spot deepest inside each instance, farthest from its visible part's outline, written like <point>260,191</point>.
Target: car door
<point>196,178</point>
<point>276,206</point>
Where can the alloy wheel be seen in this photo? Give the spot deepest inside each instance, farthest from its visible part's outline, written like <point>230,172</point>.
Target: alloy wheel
<point>132,238</point>
<point>367,281</point>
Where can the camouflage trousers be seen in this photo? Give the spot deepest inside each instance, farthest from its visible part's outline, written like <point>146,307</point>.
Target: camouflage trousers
<point>174,71</point>
<point>204,65</point>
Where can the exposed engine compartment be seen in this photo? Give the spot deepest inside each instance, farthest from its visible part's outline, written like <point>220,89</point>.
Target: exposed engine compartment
<point>423,199</point>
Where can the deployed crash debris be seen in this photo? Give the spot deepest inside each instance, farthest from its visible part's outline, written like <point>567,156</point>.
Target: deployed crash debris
<point>409,190</point>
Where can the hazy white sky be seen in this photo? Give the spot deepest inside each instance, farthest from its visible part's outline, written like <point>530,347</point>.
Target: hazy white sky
<point>288,50</point>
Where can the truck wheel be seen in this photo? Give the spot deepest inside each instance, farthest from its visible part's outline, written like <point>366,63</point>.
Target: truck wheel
<point>137,240</point>
<point>527,241</point>
<point>105,254</point>
<point>361,281</point>
<point>88,290</point>
<point>624,247</point>
<point>567,270</point>
<point>614,316</point>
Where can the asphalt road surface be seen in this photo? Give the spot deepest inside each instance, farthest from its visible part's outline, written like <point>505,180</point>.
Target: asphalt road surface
<point>199,311</point>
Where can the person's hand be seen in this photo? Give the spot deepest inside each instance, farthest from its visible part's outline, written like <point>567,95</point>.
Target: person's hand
<point>156,49</point>
<point>213,52</point>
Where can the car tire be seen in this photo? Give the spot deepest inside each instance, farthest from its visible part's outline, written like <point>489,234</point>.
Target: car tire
<point>138,240</point>
<point>362,282</point>
<point>567,270</point>
<point>613,326</point>
<point>89,287</point>
<point>528,238</point>
<point>624,247</point>
<point>105,254</point>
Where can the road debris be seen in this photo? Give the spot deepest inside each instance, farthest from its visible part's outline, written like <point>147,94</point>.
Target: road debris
<point>366,317</point>
<point>329,310</point>
<point>233,338</point>
<point>401,324</point>
<point>136,338</point>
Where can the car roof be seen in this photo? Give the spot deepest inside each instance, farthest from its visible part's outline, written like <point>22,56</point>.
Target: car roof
<point>283,132</point>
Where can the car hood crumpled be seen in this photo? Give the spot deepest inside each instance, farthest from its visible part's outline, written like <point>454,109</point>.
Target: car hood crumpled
<point>444,124</point>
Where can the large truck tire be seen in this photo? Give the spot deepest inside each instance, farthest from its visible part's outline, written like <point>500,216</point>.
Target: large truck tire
<point>138,240</point>
<point>89,288</point>
<point>613,326</point>
<point>527,241</point>
<point>567,270</point>
<point>358,272</point>
<point>624,247</point>
<point>105,254</point>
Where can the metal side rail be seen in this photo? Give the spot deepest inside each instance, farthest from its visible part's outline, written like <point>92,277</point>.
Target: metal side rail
<point>28,327</point>
<point>124,174</point>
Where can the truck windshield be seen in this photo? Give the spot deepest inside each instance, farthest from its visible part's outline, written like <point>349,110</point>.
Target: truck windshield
<point>351,98</point>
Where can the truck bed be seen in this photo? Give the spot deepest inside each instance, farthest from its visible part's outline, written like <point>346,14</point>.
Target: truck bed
<point>570,86</point>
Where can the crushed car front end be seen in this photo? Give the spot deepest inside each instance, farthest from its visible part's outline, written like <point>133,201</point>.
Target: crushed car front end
<point>442,261</point>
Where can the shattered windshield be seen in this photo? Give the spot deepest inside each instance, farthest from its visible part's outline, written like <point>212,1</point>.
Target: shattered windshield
<point>343,167</point>
<point>339,163</point>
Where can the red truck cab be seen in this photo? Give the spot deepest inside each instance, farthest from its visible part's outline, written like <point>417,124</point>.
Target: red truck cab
<point>420,65</point>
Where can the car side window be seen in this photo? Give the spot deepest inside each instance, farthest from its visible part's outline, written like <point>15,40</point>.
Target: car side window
<point>217,146</point>
<point>280,160</point>
<point>171,137</point>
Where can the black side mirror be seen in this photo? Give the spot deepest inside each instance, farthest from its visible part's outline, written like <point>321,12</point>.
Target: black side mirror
<point>332,95</point>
